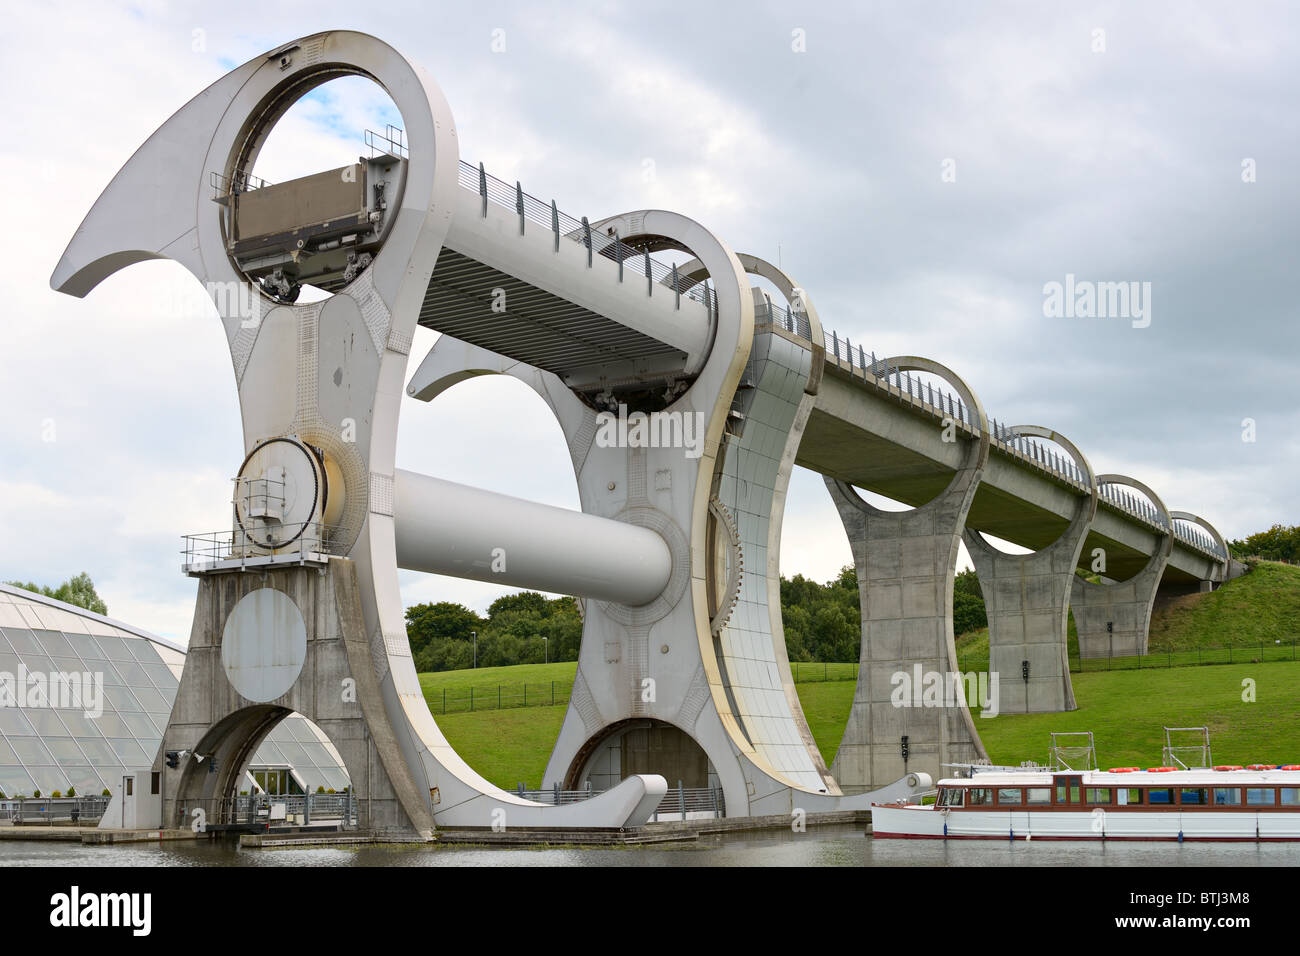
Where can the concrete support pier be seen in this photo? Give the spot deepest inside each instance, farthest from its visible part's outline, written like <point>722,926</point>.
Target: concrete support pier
<point>1113,619</point>
<point>308,622</point>
<point>905,563</point>
<point>1027,597</point>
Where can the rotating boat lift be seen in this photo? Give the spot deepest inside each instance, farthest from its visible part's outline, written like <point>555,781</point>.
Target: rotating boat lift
<point>298,606</point>
<point>674,554</point>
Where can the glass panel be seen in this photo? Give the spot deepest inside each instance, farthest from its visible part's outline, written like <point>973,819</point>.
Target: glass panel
<point>162,678</point>
<point>319,757</point>
<point>78,724</point>
<point>1099,794</point>
<point>8,662</point>
<point>14,782</point>
<point>107,672</point>
<point>85,647</point>
<point>66,752</point>
<point>1160,796</point>
<point>13,722</point>
<point>144,651</point>
<point>1290,796</point>
<point>89,782</point>
<point>152,701</point>
<point>1260,796</point>
<point>268,753</point>
<point>129,752</point>
<point>49,779</point>
<point>98,750</point>
<point>36,662</point>
<point>110,725</point>
<point>1194,796</point>
<point>121,699</point>
<point>1135,797</point>
<point>133,674</point>
<point>30,751</point>
<point>45,722</point>
<point>979,796</point>
<point>294,754</point>
<point>22,640</point>
<point>1227,796</point>
<point>115,648</point>
<point>55,644</point>
<point>1038,795</point>
<point>140,726</point>
<point>7,755</point>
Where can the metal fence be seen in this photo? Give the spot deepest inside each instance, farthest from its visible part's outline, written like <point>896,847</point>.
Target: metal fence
<point>500,697</point>
<point>531,209</point>
<point>49,811</point>
<point>550,693</point>
<point>267,808</point>
<point>1262,652</point>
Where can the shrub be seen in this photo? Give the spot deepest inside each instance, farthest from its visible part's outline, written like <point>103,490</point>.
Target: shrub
<point>57,795</point>
<point>320,789</point>
<point>36,794</point>
<point>106,793</point>
<point>72,791</point>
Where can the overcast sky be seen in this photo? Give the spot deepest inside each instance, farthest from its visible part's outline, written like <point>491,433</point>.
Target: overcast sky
<point>922,169</point>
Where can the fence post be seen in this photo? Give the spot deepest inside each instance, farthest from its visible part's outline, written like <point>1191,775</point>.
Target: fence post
<point>471,698</point>
<point>681,799</point>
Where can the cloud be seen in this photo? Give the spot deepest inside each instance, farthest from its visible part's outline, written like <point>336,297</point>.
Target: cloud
<point>1125,164</point>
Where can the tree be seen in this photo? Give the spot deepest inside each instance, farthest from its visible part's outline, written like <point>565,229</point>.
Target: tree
<point>442,621</point>
<point>1278,543</point>
<point>78,591</point>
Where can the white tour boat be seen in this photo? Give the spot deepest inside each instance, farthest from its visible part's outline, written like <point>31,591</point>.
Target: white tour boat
<point>1257,803</point>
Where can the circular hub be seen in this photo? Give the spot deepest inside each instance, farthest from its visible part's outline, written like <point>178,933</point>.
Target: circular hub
<point>282,491</point>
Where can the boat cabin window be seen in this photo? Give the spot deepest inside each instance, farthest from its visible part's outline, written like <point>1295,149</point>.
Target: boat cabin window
<point>980,796</point>
<point>951,796</point>
<point>1162,795</point>
<point>1012,796</point>
<point>1099,794</point>
<point>1227,796</point>
<point>1193,796</point>
<point>1038,795</point>
<point>1261,796</point>
<point>1130,797</point>
<point>1290,796</point>
<point>1067,790</point>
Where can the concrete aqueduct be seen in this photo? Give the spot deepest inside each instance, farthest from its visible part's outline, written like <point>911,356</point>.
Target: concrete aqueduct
<point>683,670</point>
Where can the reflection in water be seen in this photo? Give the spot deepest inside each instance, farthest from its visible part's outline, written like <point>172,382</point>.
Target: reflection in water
<point>820,846</point>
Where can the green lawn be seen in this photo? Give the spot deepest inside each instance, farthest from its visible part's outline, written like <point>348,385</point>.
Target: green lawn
<point>1261,606</point>
<point>1125,710</point>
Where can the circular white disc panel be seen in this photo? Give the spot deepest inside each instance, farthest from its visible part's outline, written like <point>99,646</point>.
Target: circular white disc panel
<point>264,645</point>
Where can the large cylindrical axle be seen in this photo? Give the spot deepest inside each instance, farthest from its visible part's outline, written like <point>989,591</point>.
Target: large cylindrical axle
<point>446,528</point>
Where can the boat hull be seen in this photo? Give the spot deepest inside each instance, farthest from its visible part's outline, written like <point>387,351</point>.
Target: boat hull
<point>928,823</point>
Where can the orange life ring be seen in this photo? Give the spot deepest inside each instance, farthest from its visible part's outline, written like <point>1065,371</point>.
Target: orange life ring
<point>1261,766</point>
<point>1291,766</point>
<point>1122,770</point>
<point>1161,769</point>
<point>1227,767</point>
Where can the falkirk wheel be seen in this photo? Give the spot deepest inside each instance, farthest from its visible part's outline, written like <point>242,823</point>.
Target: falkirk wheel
<point>674,554</point>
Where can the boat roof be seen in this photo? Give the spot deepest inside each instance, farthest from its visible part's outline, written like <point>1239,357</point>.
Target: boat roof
<point>1137,778</point>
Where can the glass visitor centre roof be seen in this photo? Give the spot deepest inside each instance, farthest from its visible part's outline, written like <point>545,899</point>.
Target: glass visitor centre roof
<point>52,739</point>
